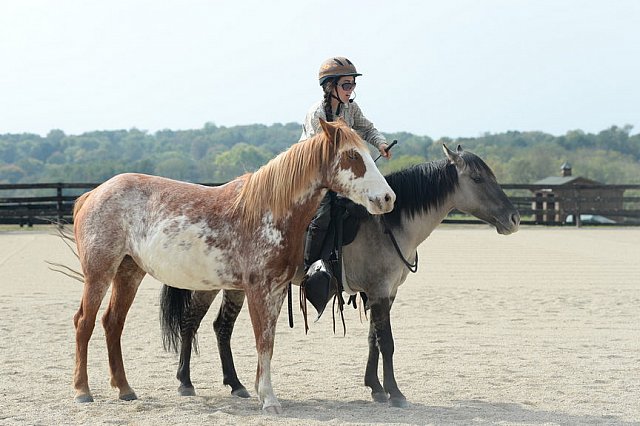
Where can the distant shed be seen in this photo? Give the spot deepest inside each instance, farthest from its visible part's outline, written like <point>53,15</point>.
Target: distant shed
<point>557,197</point>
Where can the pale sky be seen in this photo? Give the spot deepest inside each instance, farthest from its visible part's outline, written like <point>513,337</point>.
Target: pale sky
<point>436,68</point>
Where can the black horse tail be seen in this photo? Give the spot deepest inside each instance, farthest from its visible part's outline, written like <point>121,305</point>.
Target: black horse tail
<point>175,304</point>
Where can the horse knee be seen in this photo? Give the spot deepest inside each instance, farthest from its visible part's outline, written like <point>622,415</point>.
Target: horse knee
<point>76,318</point>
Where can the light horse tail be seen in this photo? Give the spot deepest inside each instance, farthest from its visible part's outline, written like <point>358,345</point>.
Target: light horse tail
<point>80,202</point>
<point>68,238</point>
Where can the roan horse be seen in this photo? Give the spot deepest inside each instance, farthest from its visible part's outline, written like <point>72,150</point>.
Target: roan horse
<point>425,193</point>
<point>245,235</point>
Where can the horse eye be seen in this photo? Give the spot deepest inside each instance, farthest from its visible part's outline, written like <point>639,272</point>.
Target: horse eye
<point>352,155</point>
<point>477,179</point>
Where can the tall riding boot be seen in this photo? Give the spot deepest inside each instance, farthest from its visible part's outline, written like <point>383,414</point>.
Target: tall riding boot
<point>318,279</point>
<point>317,232</point>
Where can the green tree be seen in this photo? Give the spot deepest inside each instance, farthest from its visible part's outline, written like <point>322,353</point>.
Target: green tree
<point>240,159</point>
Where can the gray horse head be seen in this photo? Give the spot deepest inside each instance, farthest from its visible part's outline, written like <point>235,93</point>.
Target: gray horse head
<point>479,194</point>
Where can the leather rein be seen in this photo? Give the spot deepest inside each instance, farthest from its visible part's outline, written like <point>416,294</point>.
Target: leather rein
<point>413,267</point>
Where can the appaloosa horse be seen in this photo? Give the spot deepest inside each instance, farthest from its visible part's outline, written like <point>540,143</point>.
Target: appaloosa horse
<point>246,235</point>
<point>425,193</point>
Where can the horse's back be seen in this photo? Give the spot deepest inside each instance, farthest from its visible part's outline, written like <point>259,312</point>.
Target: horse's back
<point>147,194</point>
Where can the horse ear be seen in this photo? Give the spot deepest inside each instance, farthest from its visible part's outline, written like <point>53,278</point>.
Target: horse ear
<point>330,130</point>
<point>454,157</point>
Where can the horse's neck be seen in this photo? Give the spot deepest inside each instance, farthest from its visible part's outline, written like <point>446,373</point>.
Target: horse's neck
<point>412,231</point>
<point>303,208</point>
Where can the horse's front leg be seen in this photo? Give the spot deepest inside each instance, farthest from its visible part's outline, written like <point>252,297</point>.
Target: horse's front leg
<point>264,308</point>
<point>371,374</point>
<point>232,301</point>
<point>382,338</point>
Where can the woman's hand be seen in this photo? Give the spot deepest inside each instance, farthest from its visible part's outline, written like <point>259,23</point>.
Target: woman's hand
<point>383,151</point>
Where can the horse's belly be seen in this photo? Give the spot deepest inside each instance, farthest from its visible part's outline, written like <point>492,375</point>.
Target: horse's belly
<point>185,261</point>
<point>191,277</point>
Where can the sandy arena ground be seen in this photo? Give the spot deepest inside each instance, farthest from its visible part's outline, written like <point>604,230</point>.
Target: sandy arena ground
<point>540,327</point>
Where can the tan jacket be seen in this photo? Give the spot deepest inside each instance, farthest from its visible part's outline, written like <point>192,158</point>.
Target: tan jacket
<point>351,113</point>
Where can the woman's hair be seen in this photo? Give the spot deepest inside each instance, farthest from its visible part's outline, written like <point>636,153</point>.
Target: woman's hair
<point>328,87</point>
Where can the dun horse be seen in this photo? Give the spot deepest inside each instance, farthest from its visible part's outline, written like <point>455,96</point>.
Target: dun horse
<point>425,193</point>
<point>246,235</point>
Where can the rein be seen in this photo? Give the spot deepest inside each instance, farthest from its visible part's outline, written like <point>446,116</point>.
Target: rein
<point>412,267</point>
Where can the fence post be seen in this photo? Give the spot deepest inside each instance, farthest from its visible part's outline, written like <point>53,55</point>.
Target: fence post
<point>576,194</point>
<point>59,204</point>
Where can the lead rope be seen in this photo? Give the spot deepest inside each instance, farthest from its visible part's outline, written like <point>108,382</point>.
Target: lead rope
<point>290,305</point>
<point>412,267</point>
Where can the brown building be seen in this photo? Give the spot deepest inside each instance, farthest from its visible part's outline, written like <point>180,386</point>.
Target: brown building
<point>560,197</point>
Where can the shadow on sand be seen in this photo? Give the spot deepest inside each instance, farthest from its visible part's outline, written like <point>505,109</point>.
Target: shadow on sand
<point>461,412</point>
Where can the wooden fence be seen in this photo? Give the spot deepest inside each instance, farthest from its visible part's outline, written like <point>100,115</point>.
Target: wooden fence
<point>46,203</point>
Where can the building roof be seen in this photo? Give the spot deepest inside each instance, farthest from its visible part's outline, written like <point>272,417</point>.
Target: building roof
<point>564,180</point>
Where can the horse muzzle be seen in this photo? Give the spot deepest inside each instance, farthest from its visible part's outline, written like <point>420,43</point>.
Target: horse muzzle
<point>510,225</point>
<point>382,203</point>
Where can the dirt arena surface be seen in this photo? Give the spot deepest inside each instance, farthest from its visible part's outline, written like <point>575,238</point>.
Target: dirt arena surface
<point>539,327</point>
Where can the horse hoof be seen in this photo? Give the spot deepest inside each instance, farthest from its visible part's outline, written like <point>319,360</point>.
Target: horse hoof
<point>186,391</point>
<point>81,399</point>
<point>129,397</point>
<point>380,397</point>
<point>273,409</point>
<point>398,402</point>
<point>241,393</point>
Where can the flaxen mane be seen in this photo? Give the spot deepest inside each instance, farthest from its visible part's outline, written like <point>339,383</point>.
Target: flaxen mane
<point>276,184</point>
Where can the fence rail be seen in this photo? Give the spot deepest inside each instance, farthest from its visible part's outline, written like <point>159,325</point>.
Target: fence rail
<point>45,203</point>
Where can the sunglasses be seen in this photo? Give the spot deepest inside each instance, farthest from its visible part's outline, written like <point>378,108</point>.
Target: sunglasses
<point>348,86</point>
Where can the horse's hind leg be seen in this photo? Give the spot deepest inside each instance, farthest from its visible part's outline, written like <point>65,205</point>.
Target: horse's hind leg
<point>125,286</point>
<point>223,326</point>
<point>198,307</point>
<point>380,319</point>
<point>84,321</point>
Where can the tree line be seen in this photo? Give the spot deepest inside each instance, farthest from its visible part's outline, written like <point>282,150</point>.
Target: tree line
<point>215,154</point>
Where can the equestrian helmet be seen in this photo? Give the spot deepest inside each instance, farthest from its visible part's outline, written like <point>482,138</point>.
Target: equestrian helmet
<point>338,66</point>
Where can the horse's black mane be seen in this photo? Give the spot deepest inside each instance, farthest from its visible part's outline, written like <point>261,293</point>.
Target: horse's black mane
<point>425,186</point>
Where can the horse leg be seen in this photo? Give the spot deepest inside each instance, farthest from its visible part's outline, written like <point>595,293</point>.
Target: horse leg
<point>380,318</point>
<point>264,308</point>
<point>125,287</point>
<point>84,321</point>
<point>200,303</point>
<point>371,374</point>
<point>232,301</point>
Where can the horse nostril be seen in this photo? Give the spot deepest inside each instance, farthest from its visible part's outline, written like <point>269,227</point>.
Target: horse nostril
<point>387,198</point>
<point>515,218</point>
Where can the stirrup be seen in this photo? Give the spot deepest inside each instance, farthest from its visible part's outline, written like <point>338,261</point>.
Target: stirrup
<point>318,285</point>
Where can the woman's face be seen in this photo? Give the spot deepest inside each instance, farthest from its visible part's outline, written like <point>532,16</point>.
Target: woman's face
<point>346,85</point>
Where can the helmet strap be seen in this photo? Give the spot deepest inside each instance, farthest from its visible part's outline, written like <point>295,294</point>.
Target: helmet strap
<point>339,101</point>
